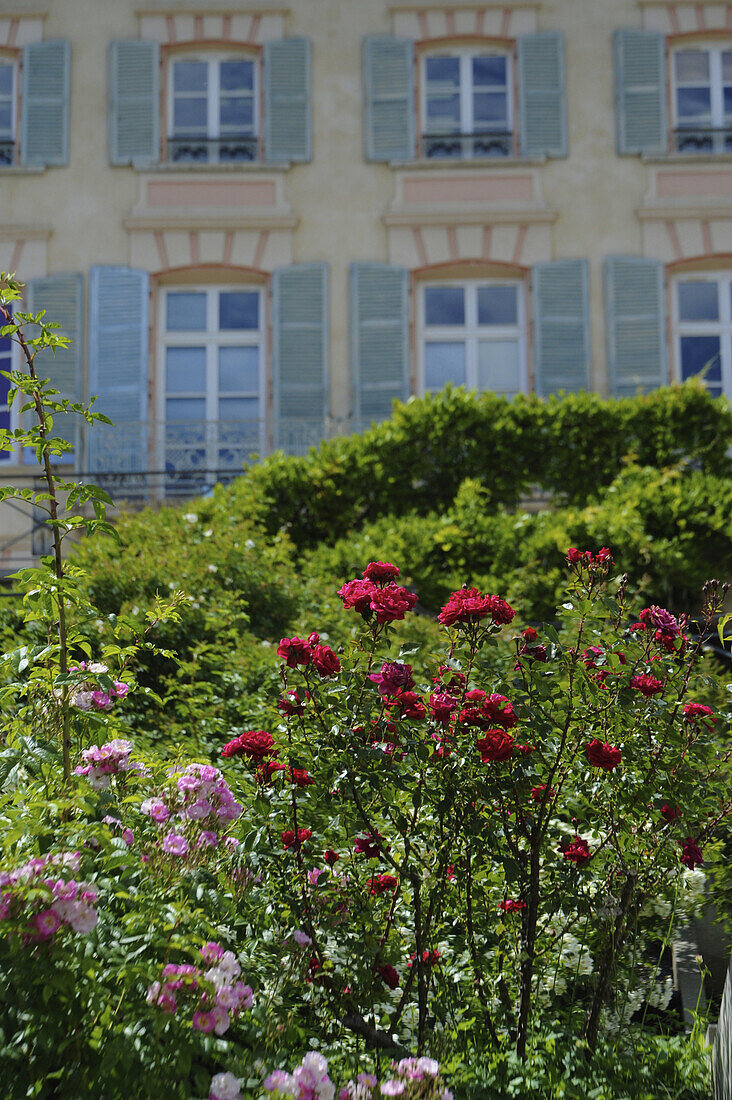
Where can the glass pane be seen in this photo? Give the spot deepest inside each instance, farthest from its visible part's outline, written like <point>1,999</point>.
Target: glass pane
<point>727,65</point>
<point>444,305</point>
<point>6,79</point>
<point>5,118</point>
<point>239,408</point>
<point>185,370</point>
<point>693,103</point>
<point>698,353</point>
<point>189,113</point>
<point>490,108</point>
<point>443,363</point>
<point>185,312</point>
<point>239,309</point>
<point>691,65</point>
<point>498,366</point>
<point>489,70</point>
<point>443,112</point>
<point>497,305</point>
<point>237,114</point>
<point>235,75</point>
<point>185,408</point>
<point>443,70</point>
<point>190,76</point>
<point>239,370</point>
<point>727,92</point>
<point>698,302</point>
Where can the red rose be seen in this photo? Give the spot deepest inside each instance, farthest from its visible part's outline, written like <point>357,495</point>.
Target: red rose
<point>525,749</point>
<point>647,685</point>
<point>501,612</point>
<point>408,704</point>
<point>495,745</point>
<point>670,813</point>
<point>532,653</point>
<point>603,556</point>
<point>267,769</point>
<point>254,743</point>
<point>590,655</point>
<point>294,651</point>
<point>467,605</point>
<point>661,619</point>
<point>300,777</point>
<point>330,857</point>
<point>382,883</point>
<point>529,634</point>
<point>578,557</point>
<point>512,906</point>
<point>429,956</point>
<point>369,845</point>
<point>602,755</point>
<point>441,706</point>
<point>392,678</point>
<point>325,661</point>
<point>289,841</point>
<point>389,975</point>
<point>537,793</point>
<point>693,711</point>
<point>381,571</point>
<point>357,594</point>
<point>576,850</point>
<point>391,603</point>
<point>291,704</point>
<point>691,853</point>
<point>454,684</point>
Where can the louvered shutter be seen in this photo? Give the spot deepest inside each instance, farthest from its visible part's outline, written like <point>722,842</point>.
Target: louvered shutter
<point>300,355</point>
<point>61,297</point>
<point>561,326</point>
<point>542,95</point>
<point>118,371</point>
<point>379,340</point>
<point>287,127</point>
<point>635,322</point>
<point>388,75</point>
<point>640,92</point>
<point>134,102</point>
<point>44,125</point>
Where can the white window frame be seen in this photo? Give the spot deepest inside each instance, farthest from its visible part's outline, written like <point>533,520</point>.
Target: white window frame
<point>721,328</point>
<point>12,136</point>
<point>212,338</point>
<point>213,98</point>
<point>471,333</point>
<point>466,55</point>
<point>716,86</point>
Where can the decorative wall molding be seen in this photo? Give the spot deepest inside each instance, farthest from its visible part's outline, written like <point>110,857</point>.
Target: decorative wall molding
<point>18,30</point>
<point>253,27</point>
<point>685,18</point>
<point>424,22</point>
<point>24,249</point>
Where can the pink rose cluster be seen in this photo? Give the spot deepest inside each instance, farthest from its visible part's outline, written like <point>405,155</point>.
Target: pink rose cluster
<point>196,806</point>
<point>101,762</point>
<point>374,595</point>
<point>214,996</point>
<point>87,696</point>
<point>468,605</point>
<point>308,1081</point>
<point>411,1078</point>
<point>41,897</point>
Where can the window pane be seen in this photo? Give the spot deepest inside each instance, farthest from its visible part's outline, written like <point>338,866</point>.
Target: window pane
<point>239,408</point>
<point>443,70</point>
<point>727,65</point>
<point>239,309</point>
<point>239,370</point>
<point>498,366</point>
<point>185,312</point>
<point>237,113</point>
<point>185,408</point>
<point>727,100</point>
<point>698,353</point>
<point>5,118</point>
<point>692,65</point>
<point>444,305</point>
<point>235,75</point>
<point>497,305</point>
<point>443,112</point>
<point>443,363</point>
<point>490,108</point>
<point>693,102</point>
<point>190,113</point>
<point>190,76</point>
<point>489,70</point>
<point>698,302</point>
<point>185,370</point>
<point>6,79</point>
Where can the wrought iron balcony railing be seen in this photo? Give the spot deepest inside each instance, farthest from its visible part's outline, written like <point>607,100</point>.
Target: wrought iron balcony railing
<point>205,150</point>
<point>483,143</point>
<point>7,152</point>
<point>703,139</point>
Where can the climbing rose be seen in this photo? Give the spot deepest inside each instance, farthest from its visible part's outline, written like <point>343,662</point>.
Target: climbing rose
<point>537,793</point>
<point>391,603</point>
<point>691,853</point>
<point>529,634</point>
<point>408,704</point>
<point>647,685</point>
<point>294,651</point>
<point>369,845</point>
<point>325,661</point>
<point>300,777</point>
<point>357,594</point>
<point>267,769</point>
<point>442,705</point>
<point>602,755</point>
<point>662,619</point>
<point>698,710</point>
<point>254,743</point>
<point>381,571</point>
<point>469,604</point>
<point>495,745</point>
<point>392,678</point>
<point>511,906</point>
<point>291,703</point>
<point>382,883</point>
<point>389,975</point>
<point>330,857</point>
<point>289,841</point>
<point>576,850</point>
<point>670,813</point>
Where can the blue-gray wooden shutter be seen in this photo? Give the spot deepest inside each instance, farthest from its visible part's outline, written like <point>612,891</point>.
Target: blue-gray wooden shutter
<point>44,108</point>
<point>300,355</point>
<point>61,297</point>
<point>134,101</point>
<point>640,92</point>
<point>388,79</point>
<point>118,370</point>
<point>287,125</point>
<point>635,324</point>
<point>379,340</point>
<point>542,95</point>
<point>561,326</point>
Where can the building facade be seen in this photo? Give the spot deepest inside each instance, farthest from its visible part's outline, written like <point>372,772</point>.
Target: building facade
<point>260,221</point>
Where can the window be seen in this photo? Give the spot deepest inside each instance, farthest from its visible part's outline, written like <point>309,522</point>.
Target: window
<point>702,100</point>
<point>7,112</point>
<point>704,331</point>
<point>466,105</point>
<point>213,109</point>
<point>7,419</point>
<point>213,366</point>
<point>473,335</point>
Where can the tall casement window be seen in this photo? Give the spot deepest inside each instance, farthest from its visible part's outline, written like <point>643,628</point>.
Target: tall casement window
<point>213,392</point>
<point>466,105</point>
<point>213,109</point>
<point>473,334</point>
<point>704,330</point>
<point>702,100</point>
<point>8,77</point>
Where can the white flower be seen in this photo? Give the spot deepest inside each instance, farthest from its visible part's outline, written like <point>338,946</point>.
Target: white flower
<point>249,544</point>
<point>190,517</point>
<point>212,568</point>
<point>224,1086</point>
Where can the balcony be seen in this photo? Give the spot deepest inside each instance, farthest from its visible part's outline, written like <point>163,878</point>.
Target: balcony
<point>221,150</point>
<point>702,140</point>
<point>7,152</point>
<point>484,143</point>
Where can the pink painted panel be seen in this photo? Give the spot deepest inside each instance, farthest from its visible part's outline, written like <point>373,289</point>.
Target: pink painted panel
<point>519,188</point>
<point>688,184</point>
<point>211,193</point>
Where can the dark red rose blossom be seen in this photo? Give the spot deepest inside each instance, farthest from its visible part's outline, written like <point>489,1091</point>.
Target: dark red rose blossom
<point>381,883</point>
<point>325,661</point>
<point>294,651</point>
<point>289,841</point>
<point>454,684</point>
<point>255,744</point>
<point>501,611</point>
<point>532,653</point>
<point>498,710</point>
<point>267,770</point>
<point>691,853</point>
<point>537,793</point>
<point>311,973</point>
<point>602,755</point>
<point>529,634</point>
<point>429,956</point>
<point>604,556</point>
<point>442,706</point>
<point>381,571</point>
<point>576,557</point>
<point>291,704</point>
<point>392,678</point>
<point>370,845</point>
<point>357,594</point>
<point>512,906</point>
<point>525,749</point>
<point>391,603</point>
<point>300,778</point>
<point>647,685</point>
<point>495,745</point>
<point>389,975</point>
<point>468,605</point>
<point>670,813</point>
<point>576,850</point>
<point>407,704</point>
<point>590,655</point>
<point>661,619</point>
<point>694,711</point>
<point>330,857</point>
